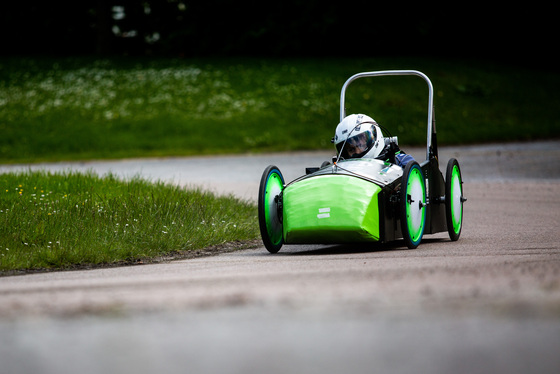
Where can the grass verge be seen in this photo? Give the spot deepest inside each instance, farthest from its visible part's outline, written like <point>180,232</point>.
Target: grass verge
<point>82,108</point>
<point>80,220</point>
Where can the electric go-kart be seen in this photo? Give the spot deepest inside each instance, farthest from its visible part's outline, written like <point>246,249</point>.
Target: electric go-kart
<point>361,200</point>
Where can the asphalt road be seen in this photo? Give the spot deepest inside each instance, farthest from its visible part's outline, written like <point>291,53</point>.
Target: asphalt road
<point>489,303</point>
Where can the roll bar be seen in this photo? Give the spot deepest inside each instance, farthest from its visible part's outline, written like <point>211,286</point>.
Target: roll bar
<point>431,148</point>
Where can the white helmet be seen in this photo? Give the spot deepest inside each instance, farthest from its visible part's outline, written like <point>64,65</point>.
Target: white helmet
<point>358,136</point>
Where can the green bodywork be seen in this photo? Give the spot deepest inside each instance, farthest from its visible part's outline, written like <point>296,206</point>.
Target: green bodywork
<point>331,209</point>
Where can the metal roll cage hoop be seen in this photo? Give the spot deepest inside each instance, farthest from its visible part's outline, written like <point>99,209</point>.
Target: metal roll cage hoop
<point>431,148</point>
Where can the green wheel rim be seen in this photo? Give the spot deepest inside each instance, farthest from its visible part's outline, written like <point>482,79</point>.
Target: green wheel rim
<point>273,188</point>
<point>454,199</point>
<point>456,203</point>
<point>415,211</point>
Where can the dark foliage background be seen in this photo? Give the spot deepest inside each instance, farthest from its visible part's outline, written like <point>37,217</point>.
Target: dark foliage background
<point>277,29</point>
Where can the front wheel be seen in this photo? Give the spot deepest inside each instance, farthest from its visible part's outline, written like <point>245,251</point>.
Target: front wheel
<point>454,199</point>
<point>412,204</point>
<point>270,208</point>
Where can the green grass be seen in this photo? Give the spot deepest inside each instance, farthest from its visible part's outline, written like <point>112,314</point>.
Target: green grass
<point>79,108</point>
<point>73,220</point>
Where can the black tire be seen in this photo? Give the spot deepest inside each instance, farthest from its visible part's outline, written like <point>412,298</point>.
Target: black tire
<point>270,209</point>
<point>412,204</point>
<point>454,199</point>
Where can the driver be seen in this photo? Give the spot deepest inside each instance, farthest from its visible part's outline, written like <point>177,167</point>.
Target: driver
<point>358,135</point>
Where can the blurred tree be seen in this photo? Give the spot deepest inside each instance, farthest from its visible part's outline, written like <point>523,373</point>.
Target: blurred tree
<point>39,27</point>
<point>272,28</point>
<point>103,26</point>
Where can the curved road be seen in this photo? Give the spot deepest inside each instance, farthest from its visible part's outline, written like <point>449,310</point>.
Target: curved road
<point>489,303</point>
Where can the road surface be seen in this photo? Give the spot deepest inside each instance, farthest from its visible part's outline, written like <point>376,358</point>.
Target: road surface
<point>489,303</point>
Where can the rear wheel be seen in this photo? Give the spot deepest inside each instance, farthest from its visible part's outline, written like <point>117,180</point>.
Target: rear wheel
<point>454,199</point>
<point>412,204</point>
<point>270,208</point>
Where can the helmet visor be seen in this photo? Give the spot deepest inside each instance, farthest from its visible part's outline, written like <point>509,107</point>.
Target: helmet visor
<point>357,145</point>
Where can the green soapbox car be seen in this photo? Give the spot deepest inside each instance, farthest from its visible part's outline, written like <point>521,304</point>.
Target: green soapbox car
<point>362,200</point>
